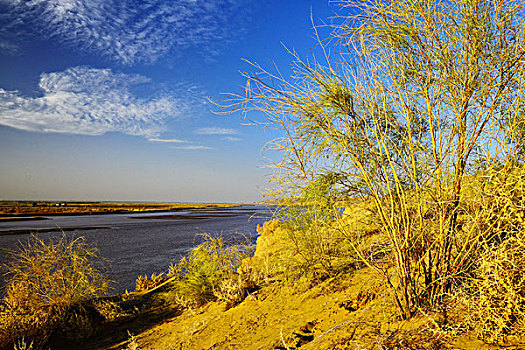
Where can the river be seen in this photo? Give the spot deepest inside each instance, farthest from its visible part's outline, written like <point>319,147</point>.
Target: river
<point>140,243</point>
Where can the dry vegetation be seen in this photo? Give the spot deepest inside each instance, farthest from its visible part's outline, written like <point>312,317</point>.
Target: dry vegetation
<point>11,209</point>
<point>46,289</point>
<point>290,293</point>
<point>404,175</point>
<point>423,96</point>
<point>210,272</point>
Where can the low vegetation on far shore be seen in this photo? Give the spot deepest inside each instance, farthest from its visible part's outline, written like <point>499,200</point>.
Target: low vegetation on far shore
<point>401,225</point>
<point>15,209</point>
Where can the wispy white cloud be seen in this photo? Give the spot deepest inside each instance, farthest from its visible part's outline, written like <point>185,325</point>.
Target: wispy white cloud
<point>166,140</point>
<point>127,31</point>
<point>187,145</point>
<point>8,30</point>
<point>89,101</point>
<point>232,139</point>
<point>216,131</point>
<point>194,147</point>
<point>8,47</point>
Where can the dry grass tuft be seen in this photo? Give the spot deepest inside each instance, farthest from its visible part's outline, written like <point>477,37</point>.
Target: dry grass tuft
<point>109,310</point>
<point>145,283</point>
<point>413,340</point>
<point>46,284</point>
<point>22,345</point>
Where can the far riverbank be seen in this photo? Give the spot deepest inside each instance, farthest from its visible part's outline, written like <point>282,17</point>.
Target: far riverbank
<point>36,210</point>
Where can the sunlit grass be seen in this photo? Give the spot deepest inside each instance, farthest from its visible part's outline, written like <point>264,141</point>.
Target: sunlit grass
<point>46,285</point>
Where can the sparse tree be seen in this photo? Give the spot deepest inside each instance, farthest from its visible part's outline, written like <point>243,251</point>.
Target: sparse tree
<point>420,97</point>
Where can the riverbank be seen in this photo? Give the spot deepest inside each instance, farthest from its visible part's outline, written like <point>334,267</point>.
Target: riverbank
<point>297,290</point>
<point>27,210</point>
<point>353,310</point>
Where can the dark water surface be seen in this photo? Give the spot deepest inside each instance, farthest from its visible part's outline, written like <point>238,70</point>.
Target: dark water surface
<point>142,243</point>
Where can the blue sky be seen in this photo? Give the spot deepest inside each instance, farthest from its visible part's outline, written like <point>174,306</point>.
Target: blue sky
<point>109,99</point>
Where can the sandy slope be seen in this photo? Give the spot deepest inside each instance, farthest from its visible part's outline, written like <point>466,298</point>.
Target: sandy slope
<point>352,312</point>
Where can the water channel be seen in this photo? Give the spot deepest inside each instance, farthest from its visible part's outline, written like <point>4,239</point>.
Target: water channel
<point>140,243</point>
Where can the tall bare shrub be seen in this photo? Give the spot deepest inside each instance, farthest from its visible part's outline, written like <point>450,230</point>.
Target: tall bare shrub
<point>420,96</point>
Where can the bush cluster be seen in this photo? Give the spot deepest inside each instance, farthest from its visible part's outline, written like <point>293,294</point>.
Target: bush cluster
<point>496,297</point>
<point>210,272</point>
<point>46,286</point>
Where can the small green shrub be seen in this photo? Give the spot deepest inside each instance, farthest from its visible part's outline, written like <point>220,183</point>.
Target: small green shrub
<point>318,248</point>
<point>45,286</point>
<point>204,274</point>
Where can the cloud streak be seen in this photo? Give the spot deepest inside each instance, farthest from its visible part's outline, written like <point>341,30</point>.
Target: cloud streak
<point>167,140</point>
<point>216,131</point>
<point>127,31</point>
<point>89,101</point>
<point>194,148</point>
<point>232,139</point>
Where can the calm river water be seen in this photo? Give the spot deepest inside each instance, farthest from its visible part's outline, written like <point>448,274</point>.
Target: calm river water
<point>142,243</point>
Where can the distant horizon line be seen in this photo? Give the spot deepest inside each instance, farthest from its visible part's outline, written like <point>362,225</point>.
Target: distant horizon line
<point>122,201</point>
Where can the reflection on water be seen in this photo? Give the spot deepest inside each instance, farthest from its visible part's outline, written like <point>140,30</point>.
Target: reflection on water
<point>138,244</point>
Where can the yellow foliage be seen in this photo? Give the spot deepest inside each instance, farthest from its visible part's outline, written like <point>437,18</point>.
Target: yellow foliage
<point>145,283</point>
<point>498,302</point>
<point>46,284</point>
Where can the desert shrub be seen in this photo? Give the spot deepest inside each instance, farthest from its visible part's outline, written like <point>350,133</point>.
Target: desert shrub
<point>108,309</point>
<point>494,202</point>
<point>209,272</point>
<point>409,100</point>
<point>145,283</point>
<point>496,297</point>
<point>316,247</point>
<point>233,290</point>
<point>46,283</point>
